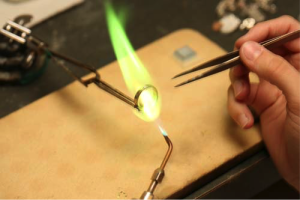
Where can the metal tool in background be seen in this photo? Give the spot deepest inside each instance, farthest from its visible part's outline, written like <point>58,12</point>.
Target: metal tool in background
<point>18,33</point>
<point>242,14</point>
<point>233,59</point>
<point>18,63</point>
<point>159,173</point>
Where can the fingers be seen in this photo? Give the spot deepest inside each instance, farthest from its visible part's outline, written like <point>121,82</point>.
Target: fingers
<point>271,29</point>
<point>294,60</point>
<point>261,97</point>
<point>272,68</point>
<point>239,77</point>
<point>238,71</point>
<point>239,112</point>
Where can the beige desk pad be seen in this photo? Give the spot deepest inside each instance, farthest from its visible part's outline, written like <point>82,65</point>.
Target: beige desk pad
<point>83,143</point>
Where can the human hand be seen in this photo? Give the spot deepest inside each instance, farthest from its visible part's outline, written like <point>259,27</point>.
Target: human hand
<point>276,98</point>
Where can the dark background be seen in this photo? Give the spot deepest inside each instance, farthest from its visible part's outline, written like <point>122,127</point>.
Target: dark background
<point>81,33</point>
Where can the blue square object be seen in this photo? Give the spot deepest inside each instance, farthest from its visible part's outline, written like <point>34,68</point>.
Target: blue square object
<point>185,53</point>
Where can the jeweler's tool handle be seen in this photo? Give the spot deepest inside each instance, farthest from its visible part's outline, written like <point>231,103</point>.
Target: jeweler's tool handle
<point>157,178</point>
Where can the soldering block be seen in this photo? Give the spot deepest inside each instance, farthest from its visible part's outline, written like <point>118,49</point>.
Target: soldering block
<point>99,143</point>
<point>185,53</point>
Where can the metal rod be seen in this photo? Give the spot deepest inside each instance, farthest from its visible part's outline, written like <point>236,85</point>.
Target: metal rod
<point>169,152</point>
<point>106,87</point>
<point>96,80</point>
<point>19,27</point>
<point>68,70</point>
<point>73,61</point>
<point>13,36</point>
<point>152,186</point>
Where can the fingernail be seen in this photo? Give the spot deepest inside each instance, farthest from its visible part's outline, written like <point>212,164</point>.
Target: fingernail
<point>251,50</point>
<point>243,120</point>
<point>238,87</point>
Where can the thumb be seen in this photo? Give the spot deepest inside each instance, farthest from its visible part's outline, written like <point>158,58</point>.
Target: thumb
<point>272,68</point>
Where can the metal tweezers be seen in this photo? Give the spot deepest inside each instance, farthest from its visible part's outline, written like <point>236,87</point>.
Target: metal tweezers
<point>233,59</point>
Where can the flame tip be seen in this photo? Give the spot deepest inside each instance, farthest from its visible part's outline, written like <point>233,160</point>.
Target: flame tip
<point>161,129</point>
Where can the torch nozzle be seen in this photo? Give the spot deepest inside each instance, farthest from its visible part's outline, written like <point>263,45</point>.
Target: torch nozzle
<point>157,178</point>
<point>159,173</point>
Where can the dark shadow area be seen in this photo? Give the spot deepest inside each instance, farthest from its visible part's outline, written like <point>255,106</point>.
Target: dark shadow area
<point>279,190</point>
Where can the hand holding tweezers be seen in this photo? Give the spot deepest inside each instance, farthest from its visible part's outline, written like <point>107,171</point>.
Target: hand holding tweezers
<point>232,59</point>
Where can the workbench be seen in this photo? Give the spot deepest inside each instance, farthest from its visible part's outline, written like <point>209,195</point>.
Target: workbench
<point>62,32</point>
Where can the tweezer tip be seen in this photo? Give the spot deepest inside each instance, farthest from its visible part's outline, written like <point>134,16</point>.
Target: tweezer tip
<point>181,84</point>
<point>191,80</point>
<point>183,73</point>
<point>178,75</point>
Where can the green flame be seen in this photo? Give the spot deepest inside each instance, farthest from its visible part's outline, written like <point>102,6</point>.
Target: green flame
<point>134,72</point>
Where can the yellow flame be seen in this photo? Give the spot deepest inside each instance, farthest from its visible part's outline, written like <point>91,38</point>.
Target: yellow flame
<point>135,74</point>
